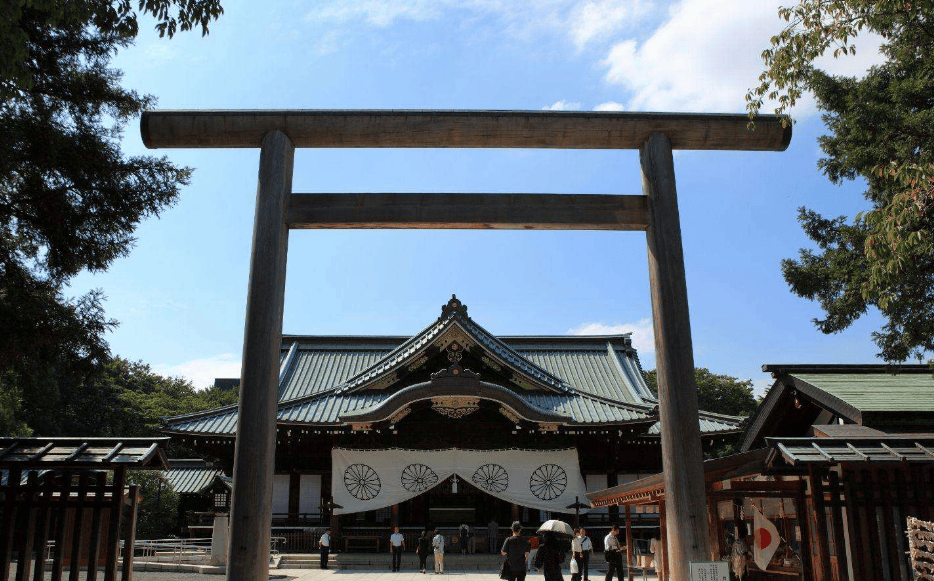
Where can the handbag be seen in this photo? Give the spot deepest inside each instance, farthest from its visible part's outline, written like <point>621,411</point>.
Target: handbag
<point>574,568</point>
<point>505,570</point>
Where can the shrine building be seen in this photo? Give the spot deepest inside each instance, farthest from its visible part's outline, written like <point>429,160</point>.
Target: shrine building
<point>452,426</point>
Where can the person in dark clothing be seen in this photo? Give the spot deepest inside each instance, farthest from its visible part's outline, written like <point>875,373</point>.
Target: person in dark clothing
<point>423,550</point>
<point>516,551</point>
<point>550,556</point>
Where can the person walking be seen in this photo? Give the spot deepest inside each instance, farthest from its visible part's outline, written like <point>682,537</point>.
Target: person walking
<point>422,550</point>
<point>396,546</point>
<point>613,554</point>
<point>493,531</point>
<point>550,556</point>
<point>464,542</point>
<point>438,543</point>
<point>472,539</point>
<point>516,551</point>
<point>533,551</point>
<point>324,544</point>
<point>586,553</point>
<point>577,552</point>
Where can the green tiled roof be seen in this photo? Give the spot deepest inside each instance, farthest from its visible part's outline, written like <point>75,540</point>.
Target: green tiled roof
<point>191,476</point>
<point>877,392</point>
<point>588,380</point>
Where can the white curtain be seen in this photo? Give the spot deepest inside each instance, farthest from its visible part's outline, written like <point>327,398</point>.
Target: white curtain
<point>371,479</point>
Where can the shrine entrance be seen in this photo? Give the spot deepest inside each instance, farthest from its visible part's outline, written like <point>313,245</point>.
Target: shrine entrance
<point>278,209</point>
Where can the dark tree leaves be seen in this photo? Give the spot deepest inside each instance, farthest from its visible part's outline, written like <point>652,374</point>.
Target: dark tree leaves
<point>722,394</point>
<point>69,199</point>
<point>882,131</point>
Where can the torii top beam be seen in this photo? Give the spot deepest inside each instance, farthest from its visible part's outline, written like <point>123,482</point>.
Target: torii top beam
<point>461,129</point>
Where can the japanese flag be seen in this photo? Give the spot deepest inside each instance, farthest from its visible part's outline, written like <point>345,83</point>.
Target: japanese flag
<point>766,540</point>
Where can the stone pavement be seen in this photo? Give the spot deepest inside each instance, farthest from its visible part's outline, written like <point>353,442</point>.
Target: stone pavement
<point>339,575</point>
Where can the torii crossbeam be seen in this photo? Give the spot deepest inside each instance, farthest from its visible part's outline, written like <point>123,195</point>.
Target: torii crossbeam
<point>278,133</point>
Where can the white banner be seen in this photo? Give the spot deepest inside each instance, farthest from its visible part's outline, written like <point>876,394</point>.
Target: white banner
<point>371,479</point>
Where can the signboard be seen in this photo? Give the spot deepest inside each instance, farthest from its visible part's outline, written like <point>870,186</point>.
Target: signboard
<point>710,571</point>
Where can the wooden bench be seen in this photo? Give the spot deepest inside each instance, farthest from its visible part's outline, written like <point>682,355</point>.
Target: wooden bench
<point>348,538</point>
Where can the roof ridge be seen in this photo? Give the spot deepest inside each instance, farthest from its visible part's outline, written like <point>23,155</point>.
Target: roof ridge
<point>454,312</point>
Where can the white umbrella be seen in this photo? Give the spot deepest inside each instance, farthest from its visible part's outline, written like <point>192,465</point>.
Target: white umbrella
<point>556,526</point>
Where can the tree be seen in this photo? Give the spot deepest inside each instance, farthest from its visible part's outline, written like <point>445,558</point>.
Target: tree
<point>158,506</point>
<point>119,398</point>
<point>716,393</point>
<point>881,130</point>
<point>69,199</point>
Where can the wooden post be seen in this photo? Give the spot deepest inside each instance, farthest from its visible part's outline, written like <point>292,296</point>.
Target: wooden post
<point>629,556</point>
<point>820,521</point>
<point>393,517</point>
<point>801,513</point>
<point>713,529</point>
<point>682,457</point>
<point>61,521</point>
<point>295,491</point>
<point>74,567</point>
<point>94,544</point>
<point>127,573</point>
<point>836,511</point>
<point>9,524</point>
<point>42,538</point>
<point>25,542</point>
<point>254,455</point>
<point>114,526</point>
<point>661,561</point>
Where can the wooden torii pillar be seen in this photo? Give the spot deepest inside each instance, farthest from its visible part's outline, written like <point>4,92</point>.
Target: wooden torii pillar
<point>278,133</point>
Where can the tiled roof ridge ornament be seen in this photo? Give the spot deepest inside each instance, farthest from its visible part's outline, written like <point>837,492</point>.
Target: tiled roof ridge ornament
<point>454,306</point>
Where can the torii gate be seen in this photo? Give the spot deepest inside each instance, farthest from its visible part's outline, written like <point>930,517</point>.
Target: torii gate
<point>278,133</point>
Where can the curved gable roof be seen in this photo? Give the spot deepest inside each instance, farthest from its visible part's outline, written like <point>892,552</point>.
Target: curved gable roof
<point>453,326</point>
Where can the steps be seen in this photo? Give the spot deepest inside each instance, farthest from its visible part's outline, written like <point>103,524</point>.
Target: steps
<point>383,561</point>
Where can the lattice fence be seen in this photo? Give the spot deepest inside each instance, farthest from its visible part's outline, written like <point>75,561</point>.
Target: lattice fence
<point>921,547</point>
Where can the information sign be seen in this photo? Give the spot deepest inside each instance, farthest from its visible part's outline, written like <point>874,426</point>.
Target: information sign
<point>710,571</point>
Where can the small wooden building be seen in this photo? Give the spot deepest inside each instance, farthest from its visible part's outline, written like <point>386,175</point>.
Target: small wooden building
<point>204,491</point>
<point>73,503</point>
<point>838,457</point>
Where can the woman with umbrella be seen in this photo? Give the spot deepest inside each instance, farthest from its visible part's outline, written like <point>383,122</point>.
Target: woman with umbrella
<point>551,553</point>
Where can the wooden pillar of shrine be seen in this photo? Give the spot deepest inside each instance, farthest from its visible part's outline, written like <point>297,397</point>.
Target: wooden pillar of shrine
<point>255,452</point>
<point>630,557</point>
<point>682,457</point>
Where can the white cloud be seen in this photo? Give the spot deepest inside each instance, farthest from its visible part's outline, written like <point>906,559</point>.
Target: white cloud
<point>610,106</point>
<point>562,106</point>
<point>202,372</point>
<point>706,56</point>
<point>601,20</point>
<point>583,21</point>
<point>643,336</point>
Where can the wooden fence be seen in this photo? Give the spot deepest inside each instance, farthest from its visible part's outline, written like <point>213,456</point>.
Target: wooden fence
<point>66,520</point>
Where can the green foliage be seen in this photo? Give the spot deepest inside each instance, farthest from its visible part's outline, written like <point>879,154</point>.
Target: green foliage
<point>69,199</point>
<point>119,398</point>
<point>115,18</point>
<point>158,507</point>
<point>881,130</point>
<point>716,393</point>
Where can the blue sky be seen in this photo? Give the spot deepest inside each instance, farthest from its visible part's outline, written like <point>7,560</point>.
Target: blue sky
<point>180,296</point>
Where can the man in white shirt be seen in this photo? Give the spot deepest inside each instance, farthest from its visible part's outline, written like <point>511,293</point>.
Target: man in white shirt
<point>586,552</point>
<point>324,543</point>
<point>613,554</point>
<point>438,543</point>
<point>396,546</point>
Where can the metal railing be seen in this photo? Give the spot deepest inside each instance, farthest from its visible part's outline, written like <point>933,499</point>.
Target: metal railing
<point>173,550</point>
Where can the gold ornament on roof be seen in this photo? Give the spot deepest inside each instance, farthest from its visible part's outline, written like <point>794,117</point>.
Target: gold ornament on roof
<point>455,407</point>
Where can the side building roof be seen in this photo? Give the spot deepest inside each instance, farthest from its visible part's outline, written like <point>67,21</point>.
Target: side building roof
<point>896,398</point>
